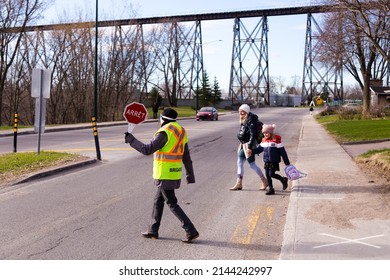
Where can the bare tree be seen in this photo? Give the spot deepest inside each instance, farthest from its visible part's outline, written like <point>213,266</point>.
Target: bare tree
<point>345,37</point>
<point>120,70</point>
<point>280,83</point>
<point>166,59</point>
<point>17,90</point>
<point>170,56</point>
<point>16,95</point>
<point>353,92</point>
<point>13,13</point>
<point>128,61</point>
<point>367,11</point>
<point>68,52</point>
<point>273,86</point>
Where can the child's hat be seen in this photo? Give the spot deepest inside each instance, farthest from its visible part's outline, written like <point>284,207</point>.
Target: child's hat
<point>268,128</point>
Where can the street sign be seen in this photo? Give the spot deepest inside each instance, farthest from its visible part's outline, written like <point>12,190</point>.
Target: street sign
<point>134,113</point>
<point>41,81</point>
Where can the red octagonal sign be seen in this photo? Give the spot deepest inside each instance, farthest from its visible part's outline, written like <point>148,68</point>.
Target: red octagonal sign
<point>135,113</point>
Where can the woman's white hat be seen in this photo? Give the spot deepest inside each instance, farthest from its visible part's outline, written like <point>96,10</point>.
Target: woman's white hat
<point>245,107</point>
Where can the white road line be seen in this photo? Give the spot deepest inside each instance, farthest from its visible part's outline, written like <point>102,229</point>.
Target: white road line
<point>347,240</point>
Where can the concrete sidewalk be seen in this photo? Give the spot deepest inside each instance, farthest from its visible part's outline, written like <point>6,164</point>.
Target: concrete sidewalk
<point>336,212</point>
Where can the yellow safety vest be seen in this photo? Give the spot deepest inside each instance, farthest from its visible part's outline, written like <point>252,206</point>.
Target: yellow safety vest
<point>167,163</point>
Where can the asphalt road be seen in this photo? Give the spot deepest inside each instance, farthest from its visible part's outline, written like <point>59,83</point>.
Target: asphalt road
<point>98,211</point>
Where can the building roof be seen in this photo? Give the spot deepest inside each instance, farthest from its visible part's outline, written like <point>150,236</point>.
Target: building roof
<point>380,90</point>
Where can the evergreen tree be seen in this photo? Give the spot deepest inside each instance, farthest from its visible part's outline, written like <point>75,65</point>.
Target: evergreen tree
<point>205,94</point>
<point>216,94</point>
<point>156,99</point>
<point>153,94</point>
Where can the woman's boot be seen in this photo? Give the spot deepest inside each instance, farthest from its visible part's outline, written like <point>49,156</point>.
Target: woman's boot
<point>264,183</point>
<point>237,186</point>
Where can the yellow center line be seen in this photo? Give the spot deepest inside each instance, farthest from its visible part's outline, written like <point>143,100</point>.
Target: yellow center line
<point>270,211</point>
<point>244,232</point>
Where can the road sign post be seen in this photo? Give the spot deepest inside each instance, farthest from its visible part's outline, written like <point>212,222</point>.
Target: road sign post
<point>134,113</point>
<point>40,90</point>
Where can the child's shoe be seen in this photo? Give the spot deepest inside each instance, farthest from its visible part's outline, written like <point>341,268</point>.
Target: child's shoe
<point>269,190</point>
<point>285,183</point>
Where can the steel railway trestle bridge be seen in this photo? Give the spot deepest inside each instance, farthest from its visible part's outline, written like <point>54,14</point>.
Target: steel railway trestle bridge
<point>247,83</point>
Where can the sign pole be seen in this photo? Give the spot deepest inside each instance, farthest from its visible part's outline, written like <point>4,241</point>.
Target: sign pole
<point>40,90</point>
<point>40,113</point>
<point>130,127</point>
<point>94,118</point>
<point>15,131</point>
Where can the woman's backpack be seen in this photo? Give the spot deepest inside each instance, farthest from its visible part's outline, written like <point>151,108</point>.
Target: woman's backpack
<point>259,132</point>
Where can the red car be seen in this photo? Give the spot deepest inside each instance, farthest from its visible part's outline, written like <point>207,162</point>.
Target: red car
<point>207,113</point>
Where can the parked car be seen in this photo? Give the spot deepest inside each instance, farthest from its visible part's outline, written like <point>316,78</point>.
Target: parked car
<point>351,106</point>
<point>207,113</point>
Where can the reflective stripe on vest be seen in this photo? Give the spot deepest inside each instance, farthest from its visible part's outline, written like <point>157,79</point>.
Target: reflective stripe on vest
<point>167,162</point>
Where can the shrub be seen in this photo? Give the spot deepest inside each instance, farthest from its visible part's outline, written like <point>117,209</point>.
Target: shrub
<point>350,114</point>
<point>329,110</point>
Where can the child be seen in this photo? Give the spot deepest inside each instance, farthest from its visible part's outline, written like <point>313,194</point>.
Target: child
<point>273,150</point>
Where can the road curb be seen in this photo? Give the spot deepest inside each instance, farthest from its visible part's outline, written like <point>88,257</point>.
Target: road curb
<point>55,170</point>
<point>366,142</point>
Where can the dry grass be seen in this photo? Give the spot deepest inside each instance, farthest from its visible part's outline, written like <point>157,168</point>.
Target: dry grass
<point>18,166</point>
<point>376,161</point>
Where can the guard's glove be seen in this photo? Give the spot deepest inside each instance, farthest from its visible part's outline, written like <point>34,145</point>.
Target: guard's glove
<point>128,137</point>
<point>190,180</point>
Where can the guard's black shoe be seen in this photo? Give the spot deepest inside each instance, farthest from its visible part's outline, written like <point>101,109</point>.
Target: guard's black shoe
<point>285,183</point>
<point>269,191</point>
<point>190,237</point>
<point>150,235</point>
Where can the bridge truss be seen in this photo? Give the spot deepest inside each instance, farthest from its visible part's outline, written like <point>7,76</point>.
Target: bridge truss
<point>249,75</point>
<point>319,80</point>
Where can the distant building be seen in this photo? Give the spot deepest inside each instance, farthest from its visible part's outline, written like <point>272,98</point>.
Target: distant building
<point>285,100</point>
<point>380,95</point>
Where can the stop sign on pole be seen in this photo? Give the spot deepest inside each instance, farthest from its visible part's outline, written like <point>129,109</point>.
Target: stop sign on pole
<point>135,113</point>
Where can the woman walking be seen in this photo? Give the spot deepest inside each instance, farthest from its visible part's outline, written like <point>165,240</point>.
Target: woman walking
<point>247,137</point>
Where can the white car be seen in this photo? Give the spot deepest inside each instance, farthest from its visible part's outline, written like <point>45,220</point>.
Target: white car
<point>351,105</point>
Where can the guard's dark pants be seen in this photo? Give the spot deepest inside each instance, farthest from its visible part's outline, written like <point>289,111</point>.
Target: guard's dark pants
<point>170,198</point>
